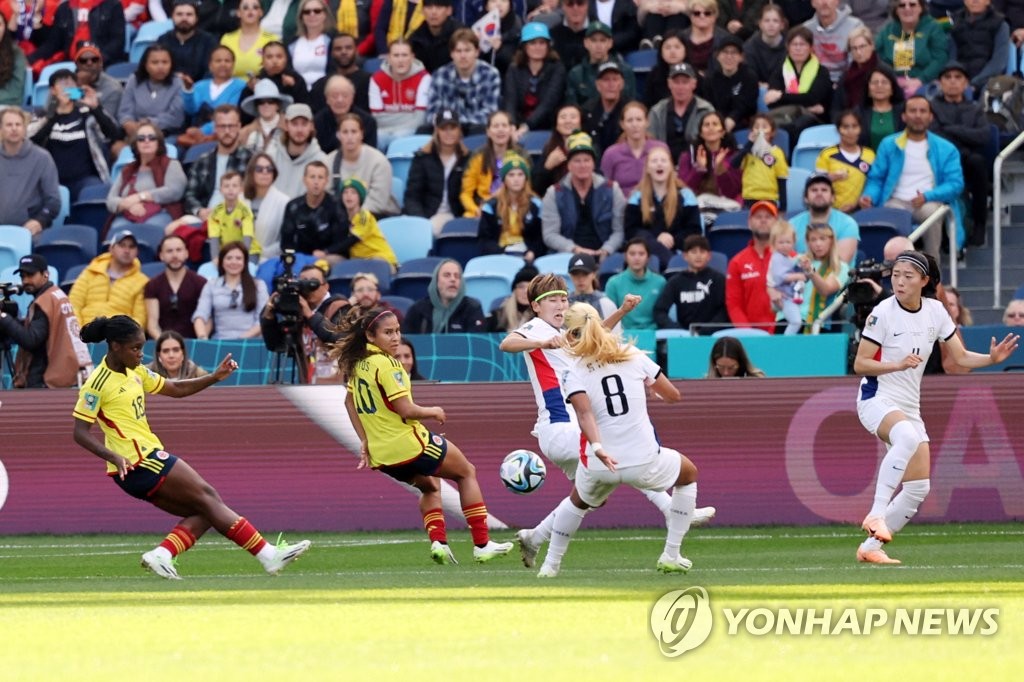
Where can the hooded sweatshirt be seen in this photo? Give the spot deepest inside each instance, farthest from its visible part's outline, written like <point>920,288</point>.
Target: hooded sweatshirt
<point>830,42</point>
<point>399,104</point>
<point>31,189</point>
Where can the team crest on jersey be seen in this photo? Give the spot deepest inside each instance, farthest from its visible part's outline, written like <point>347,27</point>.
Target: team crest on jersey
<point>437,439</point>
<point>160,454</point>
<point>932,334</point>
<point>873,320</point>
<point>91,400</point>
<point>399,379</point>
<point>864,166</point>
<point>768,159</point>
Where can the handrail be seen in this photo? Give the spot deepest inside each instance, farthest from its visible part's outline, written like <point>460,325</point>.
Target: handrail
<point>997,226</point>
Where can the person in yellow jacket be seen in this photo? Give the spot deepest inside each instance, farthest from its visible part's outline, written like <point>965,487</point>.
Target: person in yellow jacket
<point>112,284</point>
<point>363,226</point>
<point>482,177</point>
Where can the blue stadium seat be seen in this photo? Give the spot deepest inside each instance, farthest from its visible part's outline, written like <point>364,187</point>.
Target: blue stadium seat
<point>459,240</point>
<point>500,264</point>
<point>65,206</point>
<point>67,245</point>
<point>15,242</point>
<point>409,236</point>
<point>740,331</point>
<point>26,98</point>
<point>642,60</point>
<point>719,261</point>
<point>68,278</point>
<point>41,90</point>
<point>534,140</point>
<point>675,265</point>
<point>372,64</point>
<point>209,271</point>
<point>121,71</point>
<point>195,151</point>
<point>399,303</point>
<point>340,279</point>
<point>398,190</point>
<point>810,143</point>
<point>152,269</point>
<point>474,142</point>
<point>485,288</point>
<point>729,239</point>
<point>148,236</point>
<point>400,153</point>
<point>127,156</point>
<point>414,277</point>
<point>612,265</point>
<point>146,36</point>
<point>880,224</point>
<point>795,188</point>
<point>556,263</point>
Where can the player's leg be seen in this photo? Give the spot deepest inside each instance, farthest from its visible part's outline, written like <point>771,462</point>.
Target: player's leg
<point>433,518</point>
<point>904,439</point>
<point>560,443</point>
<point>590,490</point>
<point>684,501</point>
<point>456,468</point>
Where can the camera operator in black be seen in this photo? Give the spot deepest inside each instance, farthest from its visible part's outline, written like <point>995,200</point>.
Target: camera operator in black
<point>312,328</point>
<point>314,223</point>
<point>50,354</point>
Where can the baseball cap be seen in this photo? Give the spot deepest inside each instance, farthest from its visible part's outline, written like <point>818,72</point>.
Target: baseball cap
<point>816,179</point>
<point>598,27</point>
<point>681,69</point>
<point>583,262</point>
<point>31,264</point>
<point>446,117</point>
<point>729,40</point>
<point>605,67</point>
<point>954,66</point>
<point>85,48</point>
<point>534,30</point>
<point>121,235</point>
<point>298,110</point>
<point>767,206</point>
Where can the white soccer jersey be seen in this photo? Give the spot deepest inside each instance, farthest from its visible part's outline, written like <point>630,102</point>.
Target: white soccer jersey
<point>546,367</point>
<point>618,397</point>
<point>900,332</point>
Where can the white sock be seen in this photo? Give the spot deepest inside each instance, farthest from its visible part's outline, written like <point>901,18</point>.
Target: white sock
<point>163,552</point>
<point>905,504</point>
<point>567,520</point>
<point>267,553</point>
<point>904,439</point>
<point>871,544</point>
<point>542,533</point>
<point>684,499</point>
<point>660,499</point>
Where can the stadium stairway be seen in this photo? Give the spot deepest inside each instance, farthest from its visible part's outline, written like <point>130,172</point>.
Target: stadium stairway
<point>975,279</point>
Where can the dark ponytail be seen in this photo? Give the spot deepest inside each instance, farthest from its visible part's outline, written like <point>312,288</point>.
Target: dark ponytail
<point>119,328</point>
<point>354,327</point>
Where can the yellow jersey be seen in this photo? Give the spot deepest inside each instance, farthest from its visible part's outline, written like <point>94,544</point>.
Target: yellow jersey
<point>761,175</point>
<point>372,242</point>
<point>234,226</point>
<point>117,401</point>
<point>848,191</point>
<point>376,382</point>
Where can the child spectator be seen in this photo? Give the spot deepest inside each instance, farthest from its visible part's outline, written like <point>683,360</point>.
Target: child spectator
<point>763,165</point>
<point>785,276</point>
<point>232,220</point>
<point>846,164</point>
<point>825,270</point>
<point>503,46</point>
<point>370,242</point>
<point>510,220</point>
<point>698,292</point>
<point>583,271</point>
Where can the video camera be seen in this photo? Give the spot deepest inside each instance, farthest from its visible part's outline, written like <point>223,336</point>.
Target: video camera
<point>862,293</point>
<point>289,288</point>
<point>8,289</point>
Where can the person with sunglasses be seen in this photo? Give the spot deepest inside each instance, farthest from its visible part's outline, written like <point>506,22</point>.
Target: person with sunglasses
<point>230,304</point>
<point>704,35</point>
<point>172,296</point>
<point>90,76</point>
<point>100,22</point>
<point>914,44</point>
<point>1014,314</point>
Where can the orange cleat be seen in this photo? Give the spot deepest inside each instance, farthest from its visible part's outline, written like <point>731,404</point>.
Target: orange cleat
<point>875,527</point>
<point>875,556</point>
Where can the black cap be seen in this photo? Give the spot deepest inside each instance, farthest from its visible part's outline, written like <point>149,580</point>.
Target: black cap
<point>729,40</point>
<point>31,264</point>
<point>446,117</point>
<point>525,274</point>
<point>605,67</point>
<point>954,66</point>
<point>681,69</point>
<point>583,262</point>
<point>816,179</point>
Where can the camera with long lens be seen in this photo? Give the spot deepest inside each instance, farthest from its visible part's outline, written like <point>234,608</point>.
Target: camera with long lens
<point>8,289</point>
<point>289,288</point>
<point>862,293</point>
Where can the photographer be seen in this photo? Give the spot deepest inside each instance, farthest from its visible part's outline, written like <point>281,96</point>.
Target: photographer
<point>299,319</point>
<point>50,354</point>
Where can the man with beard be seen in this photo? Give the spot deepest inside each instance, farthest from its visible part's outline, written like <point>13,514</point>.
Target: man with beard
<point>50,354</point>
<point>818,197</point>
<point>343,63</point>
<point>340,94</point>
<point>746,280</point>
<point>189,46</point>
<point>201,193</point>
<point>294,149</point>
<point>171,297</point>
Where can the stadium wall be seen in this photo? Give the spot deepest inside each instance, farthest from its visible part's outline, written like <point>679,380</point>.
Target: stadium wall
<point>769,451</point>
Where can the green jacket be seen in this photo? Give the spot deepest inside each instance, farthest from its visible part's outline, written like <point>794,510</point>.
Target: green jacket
<point>581,87</point>
<point>931,48</point>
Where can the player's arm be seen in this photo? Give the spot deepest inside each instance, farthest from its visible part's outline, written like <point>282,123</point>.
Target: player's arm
<point>865,363</point>
<point>364,446</point>
<point>84,437</point>
<point>665,389</point>
<point>187,387</point>
<point>407,409</point>
<point>628,304</point>
<point>998,352</point>
<point>588,425</point>
<point>517,343</point>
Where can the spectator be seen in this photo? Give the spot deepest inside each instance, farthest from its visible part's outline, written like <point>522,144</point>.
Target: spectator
<point>1013,316</point>
<point>847,163</point>
<point>601,115</point>
<point>341,97</point>
<point>960,313</point>
<point>570,32</point>
<point>90,76</point>
<point>765,51</point>
<point>510,220</point>
<point>483,171</point>
<point>50,355</point>
<point>277,67</point>
<point>446,309</point>
<point>672,51</point>
<point>311,48</point>
<point>552,164</point>
<point>918,61</point>
<point>366,294</point>
<point>232,220</point>
<point>662,210</point>
<point>369,241</point>
<point>504,45</point>
<point>704,35</point>
<point>637,279</point>
<point>881,111</point>
<point>218,17</point>
<point>621,16</point>
<point>674,120</point>
<point>763,164</point>
<point>658,19</point>
<point>980,40</point>
<point>314,223</point>
<point>75,130</point>
<point>515,310</point>
<point>190,46</point>
<point>430,40</point>
<point>357,160</point>
<point>112,284</point>
<point>800,94</point>
<point>31,196</point>
<point>150,187</point>
<point>730,85</point>
<point>468,86</point>
<point>248,41</point>
<point>172,296</point>
<point>171,360</point>
<point>826,272</point>
<point>153,93</point>
<point>583,213</point>
<point>831,27</point>
<point>746,293</point>
<point>407,356</point>
<point>201,101</point>
<point>435,177</point>
<point>294,149</point>
<point>786,277</point>
<point>535,82</point>
<point>819,197</point>
<point>852,86</point>
<point>740,18</point>
<point>963,122</point>
<point>343,62</point>
<point>229,305</point>
<point>729,361</point>
<point>624,161</point>
<point>204,175</point>
<point>919,171</point>
<point>1013,10</point>
<point>586,287</point>
<point>698,292</point>
<point>583,76</point>
<point>12,69</point>
<point>398,94</point>
<point>267,202</point>
<point>707,166</point>
<point>265,106</point>
<point>102,23</point>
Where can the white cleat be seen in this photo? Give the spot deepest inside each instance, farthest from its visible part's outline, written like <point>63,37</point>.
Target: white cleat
<point>491,550</point>
<point>527,550</point>
<point>548,571</point>
<point>680,564</point>
<point>702,516</point>
<point>284,554</point>
<point>155,562</point>
<point>442,554</point>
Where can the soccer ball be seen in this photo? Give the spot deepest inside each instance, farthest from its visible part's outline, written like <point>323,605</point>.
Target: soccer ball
<point>523,471</point>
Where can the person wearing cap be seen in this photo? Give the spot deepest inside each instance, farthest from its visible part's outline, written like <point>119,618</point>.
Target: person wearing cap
<point>340,95</point>
<point>434,184</point>
<point>587,287</point>
<point>819,196</point>
<point>581,78</point>
<point>49,355</point>
<point>468,85</point>
<point>980,40</point>
<point>746,278</point>
<point>314,223</point>
<point>12,89</point>
<point>515,310</point>
<point>510,220</point>
<point>91,77</point>
<point>189,45</point>
<point>369,241</point>
<point>446,309</point>
<point>570,31</point>
<point>962,121</point>
<point>294,149</point>
<point>430,39</point>
<point>831,25</point>
<point>674,120</point>
<point>31,188</point>
<point>583,212</point>
<point>103,25</point>
<point>621,16</point>
<point>112,283</point>
<point>730,85</point>
<point>398,94</point>
<point>535,82</point>
<point>602,114</point>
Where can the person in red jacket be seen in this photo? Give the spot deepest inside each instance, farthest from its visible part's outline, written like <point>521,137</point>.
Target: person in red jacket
<point>746,284</point>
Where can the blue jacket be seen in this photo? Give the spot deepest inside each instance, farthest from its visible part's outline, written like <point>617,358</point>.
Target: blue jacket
<point>559,216</point>
<point>944,159</point>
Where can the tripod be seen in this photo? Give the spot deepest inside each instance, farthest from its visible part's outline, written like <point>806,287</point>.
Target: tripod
<point>293,350</point>
<point>6,363</point>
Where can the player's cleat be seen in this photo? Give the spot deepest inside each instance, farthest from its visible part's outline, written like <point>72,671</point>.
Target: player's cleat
<point>527,550</point>
<point>491,550</point>
<point>875,527</point>
<point>548,571</point>
<point>156,563</point>
<point>875,556</point>
<point>284,554</point>
<point>680,564</point>
<point>702,516</point>
<point>441,553</point>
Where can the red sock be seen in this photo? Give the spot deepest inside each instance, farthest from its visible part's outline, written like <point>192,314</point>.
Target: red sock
<point>476,517</point>
<point>433,521</point>
<point>178,540</point>
<point>245,535</point>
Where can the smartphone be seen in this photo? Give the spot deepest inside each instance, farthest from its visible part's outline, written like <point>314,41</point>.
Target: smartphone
<point>74,94</point>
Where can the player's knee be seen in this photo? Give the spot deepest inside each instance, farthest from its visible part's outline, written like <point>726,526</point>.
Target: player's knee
<point>427,485</point>
<point>917,490</point>
<point>688,472</point>
<point>905,435</point>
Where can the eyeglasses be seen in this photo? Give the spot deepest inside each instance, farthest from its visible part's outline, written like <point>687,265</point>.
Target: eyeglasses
<point>858,48</point>
<point>227,126</point>
<point>174,303</point>
<point>263,169</point>
<point>364,290</point>
<point>702,13</point>
<point>235,293</point>
<point>313,10</point>
<point>261,102</point>
<point>87,60</point>
<point>146,138</point>
<point>1015,315</point>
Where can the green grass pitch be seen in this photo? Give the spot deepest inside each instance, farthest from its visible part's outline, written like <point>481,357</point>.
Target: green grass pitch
<point>373,607</point>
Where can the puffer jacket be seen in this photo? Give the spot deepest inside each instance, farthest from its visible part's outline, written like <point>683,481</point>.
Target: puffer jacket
<point>94,295</point>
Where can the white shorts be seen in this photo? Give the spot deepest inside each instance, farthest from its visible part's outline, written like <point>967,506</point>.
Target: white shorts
<point>873,410</point>
<point>560,442</point>
<point>595,485</point>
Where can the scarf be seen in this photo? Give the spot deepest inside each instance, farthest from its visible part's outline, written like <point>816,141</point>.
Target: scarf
<point>396,27</point>
<point>817,302</point>
<point>796,85</point>
<point>855,82</point>
<point>348,20</point>
<point>441,313</point>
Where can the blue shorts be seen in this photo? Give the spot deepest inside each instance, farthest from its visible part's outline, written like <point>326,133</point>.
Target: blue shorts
<point>424,464</point>
<point>148,475</point>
